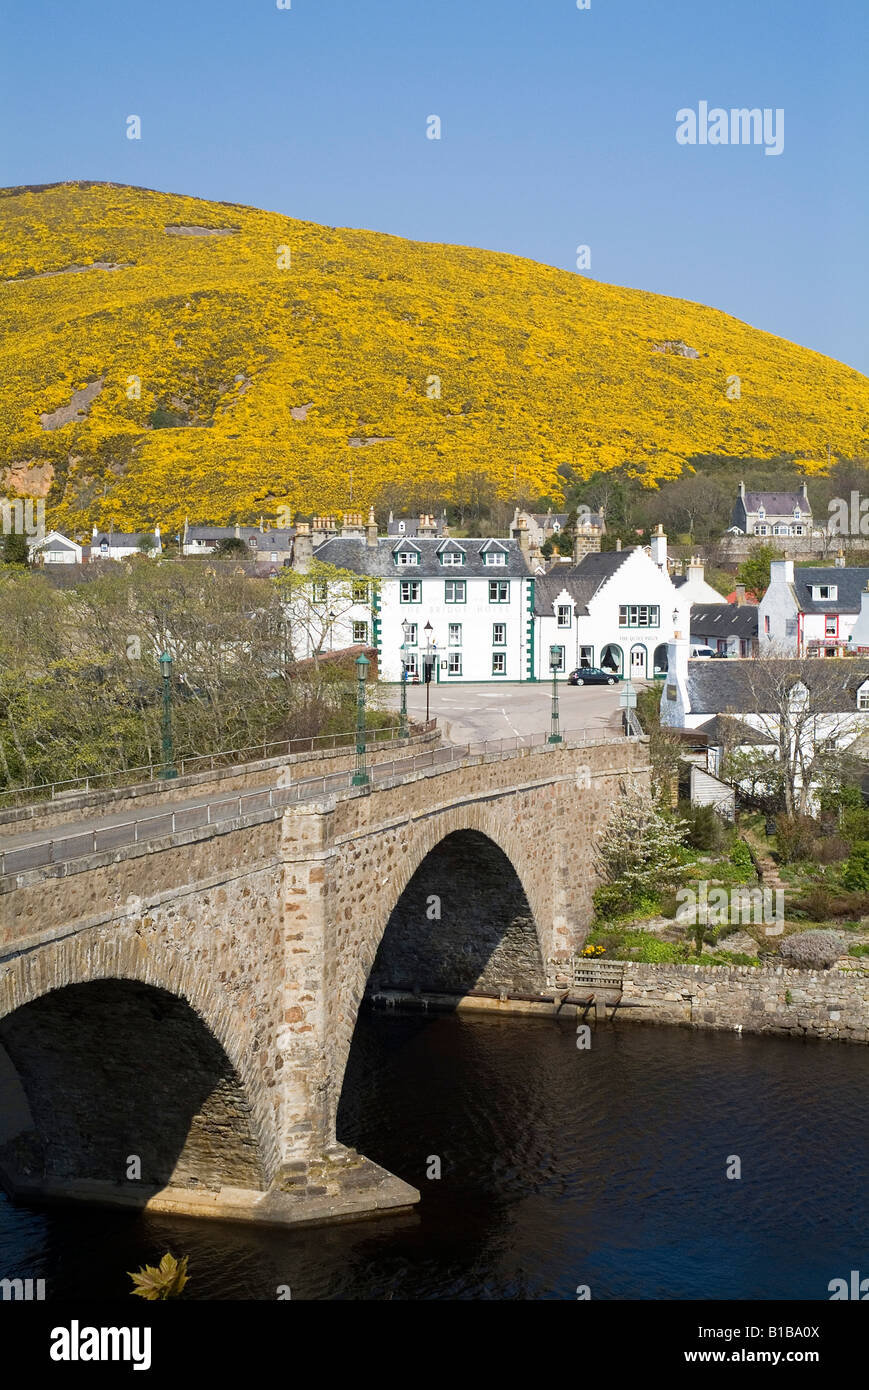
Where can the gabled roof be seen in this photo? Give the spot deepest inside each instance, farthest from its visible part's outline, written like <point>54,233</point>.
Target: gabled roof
<point>450,544</point>
<point>722,687</point>
<point>581,581</point>
<point>724,619</point>
<point>492,544</point>
<point>777,503</point>
<point>724,729</point>
<point>405,544</point>
<point>353,553</point>
<point>850,582</point>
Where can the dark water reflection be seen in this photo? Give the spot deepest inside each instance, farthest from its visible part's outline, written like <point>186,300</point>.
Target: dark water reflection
<point>559,1168</point>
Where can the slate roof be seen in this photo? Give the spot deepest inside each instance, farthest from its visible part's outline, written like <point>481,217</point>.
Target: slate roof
<point>280,536</point>
<point>723,729</point>
<point>719,687</point>
<point>581,581</point>
<point>121,538</point>
<point>411,526</point>
<point>353,553</point>
<point>777,503</point>
<point>849,581</point>
<point>724,619</point>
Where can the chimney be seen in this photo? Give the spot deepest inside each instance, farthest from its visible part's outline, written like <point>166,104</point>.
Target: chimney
<point>659,548</point>
<point>805,492</point>
<point>695,570</point>
<point>427,526</point>
<point>781,572</point>
<point>94,533</point>
<point>740,596</point>
<point>524,539</point>
<point>303,547</point>
<point>260,525</point>
<point>742,491</point>
<point>840,559</point>
<point>371,530</point>
<point>237,531</point>
<point>618,545</point>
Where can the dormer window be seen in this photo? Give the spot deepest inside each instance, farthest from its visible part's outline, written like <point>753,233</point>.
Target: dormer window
<point>494,557</point>
<point>798,516</point>
<point>863,696</point>
<point>825,592</point>
<point>761,513</point>
<point>401,528</point>
<point>451,553</point>
<point>407,557</point>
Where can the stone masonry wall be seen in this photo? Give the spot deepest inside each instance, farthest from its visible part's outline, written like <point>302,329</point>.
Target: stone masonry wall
<point>802,1003</point>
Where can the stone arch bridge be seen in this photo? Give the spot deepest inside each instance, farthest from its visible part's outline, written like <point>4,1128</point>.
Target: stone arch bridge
<point>176,1016</point>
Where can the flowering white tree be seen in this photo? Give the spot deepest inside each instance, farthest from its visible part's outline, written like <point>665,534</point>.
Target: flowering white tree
<point>638,847</point>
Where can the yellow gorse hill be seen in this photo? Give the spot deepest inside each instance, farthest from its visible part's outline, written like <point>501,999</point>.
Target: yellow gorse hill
<point>165,356</point>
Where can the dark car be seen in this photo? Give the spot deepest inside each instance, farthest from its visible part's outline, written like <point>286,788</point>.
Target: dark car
<point>591,675</point>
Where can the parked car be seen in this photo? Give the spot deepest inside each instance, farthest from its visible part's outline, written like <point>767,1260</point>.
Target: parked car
<point>703,651</point>
<point>592,675</point>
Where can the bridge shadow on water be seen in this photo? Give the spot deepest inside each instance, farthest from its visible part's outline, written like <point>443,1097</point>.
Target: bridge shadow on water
<point>121,1085</point>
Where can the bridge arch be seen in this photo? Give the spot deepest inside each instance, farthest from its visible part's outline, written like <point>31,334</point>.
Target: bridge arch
<point>124,1050</point>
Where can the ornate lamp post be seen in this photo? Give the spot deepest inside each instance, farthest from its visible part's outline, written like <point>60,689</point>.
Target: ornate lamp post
<point>169,769</point>
<point>428,629</point>
<point>331,625</point>
<point>554,664</point>
<point>360,776</point>
<point>402,718</point>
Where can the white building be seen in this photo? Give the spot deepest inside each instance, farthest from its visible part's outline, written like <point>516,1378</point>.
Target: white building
<point>121,545</point>
<point>471,599</point>
<point>810,611</point>
<point>56,549</point>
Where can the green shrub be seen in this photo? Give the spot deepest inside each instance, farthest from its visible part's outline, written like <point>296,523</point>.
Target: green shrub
<point>795,836</point>
<point>858,950</point>
<point>705,828</point>
<point>855,824</point>
<point>856,872</point>
<point>740,857</point>
<point>615,900</point>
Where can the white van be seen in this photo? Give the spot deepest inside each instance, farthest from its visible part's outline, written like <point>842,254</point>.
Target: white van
<point>702,651</point>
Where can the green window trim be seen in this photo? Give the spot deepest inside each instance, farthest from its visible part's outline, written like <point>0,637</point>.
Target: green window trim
<point>455,583</point>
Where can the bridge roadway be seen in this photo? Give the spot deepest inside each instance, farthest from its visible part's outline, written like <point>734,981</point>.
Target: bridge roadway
<point>34,848</point>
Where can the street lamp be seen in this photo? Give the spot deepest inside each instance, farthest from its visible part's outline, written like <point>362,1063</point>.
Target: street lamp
<point>169,770</point>
<point>331,622</point>
<point>360,776</point>
<point>554,665</point>
<point>428,630</point>
<point>402,718</point>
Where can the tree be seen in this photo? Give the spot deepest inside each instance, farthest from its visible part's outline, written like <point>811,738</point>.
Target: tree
<point>230,546</point>
<point>796,705</point>
<point>15,550</point>
<point>639,845</point>
<point>754,572</point>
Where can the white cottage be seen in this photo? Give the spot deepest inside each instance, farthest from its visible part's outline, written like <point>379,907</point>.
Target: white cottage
<point>812,610</point>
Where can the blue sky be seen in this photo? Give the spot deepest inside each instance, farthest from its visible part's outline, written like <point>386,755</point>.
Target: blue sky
<point>558,129</point>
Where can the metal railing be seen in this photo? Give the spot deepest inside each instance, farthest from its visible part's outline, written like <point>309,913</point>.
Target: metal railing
<point>79,844</point>
<point>201,762</point>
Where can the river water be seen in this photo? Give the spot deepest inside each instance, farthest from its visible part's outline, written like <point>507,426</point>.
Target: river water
<point>559,1168</point>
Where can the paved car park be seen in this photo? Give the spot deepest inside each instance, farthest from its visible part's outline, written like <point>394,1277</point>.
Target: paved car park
<point>466,713</point>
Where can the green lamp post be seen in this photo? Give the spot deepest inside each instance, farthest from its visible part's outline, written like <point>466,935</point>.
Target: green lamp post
<point>554,666</point>
<point>360,776</point>
<point>169,769</point>
<point>402,718</point>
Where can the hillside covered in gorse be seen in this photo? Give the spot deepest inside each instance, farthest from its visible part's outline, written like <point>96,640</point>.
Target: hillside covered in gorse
<point>165,356</point>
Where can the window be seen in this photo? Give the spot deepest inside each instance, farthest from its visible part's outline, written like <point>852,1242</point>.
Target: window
<point>454,666</point>
<point>863,697</point>
<point>411,664</point>
<point>360,593</point>
<point>563,614</point>
<point>494,557</point>
<point>825,591</point>
<point>831,625</point>
<point>586,656</point>
<point>499,591</point>
<point>454,638</point>
<point>761,530</point>
<point>499,634</point>
<point>798,530</point>
<point>321,591</point>
<point>360,632</point>
<point>798,516</point>
<point>455,590</point>
<point>639,615</point>
<point>761,513</point>
<point>499,663</point>
<point>401,528</point>
<point>407,557</point>
<point>781,530</point>
<point>411,591</point>
<point>452,557</point>
<point>252,542</point>
<point>790,627</point>
<point>558,653</point>
<point>766,624</point>
<point>411,634</point>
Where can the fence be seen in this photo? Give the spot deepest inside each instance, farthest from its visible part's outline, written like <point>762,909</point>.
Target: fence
<point>81,843</point>
<point>200,762</point>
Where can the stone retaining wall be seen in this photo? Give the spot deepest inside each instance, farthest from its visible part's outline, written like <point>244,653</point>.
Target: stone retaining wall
<point>803,1003</point>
